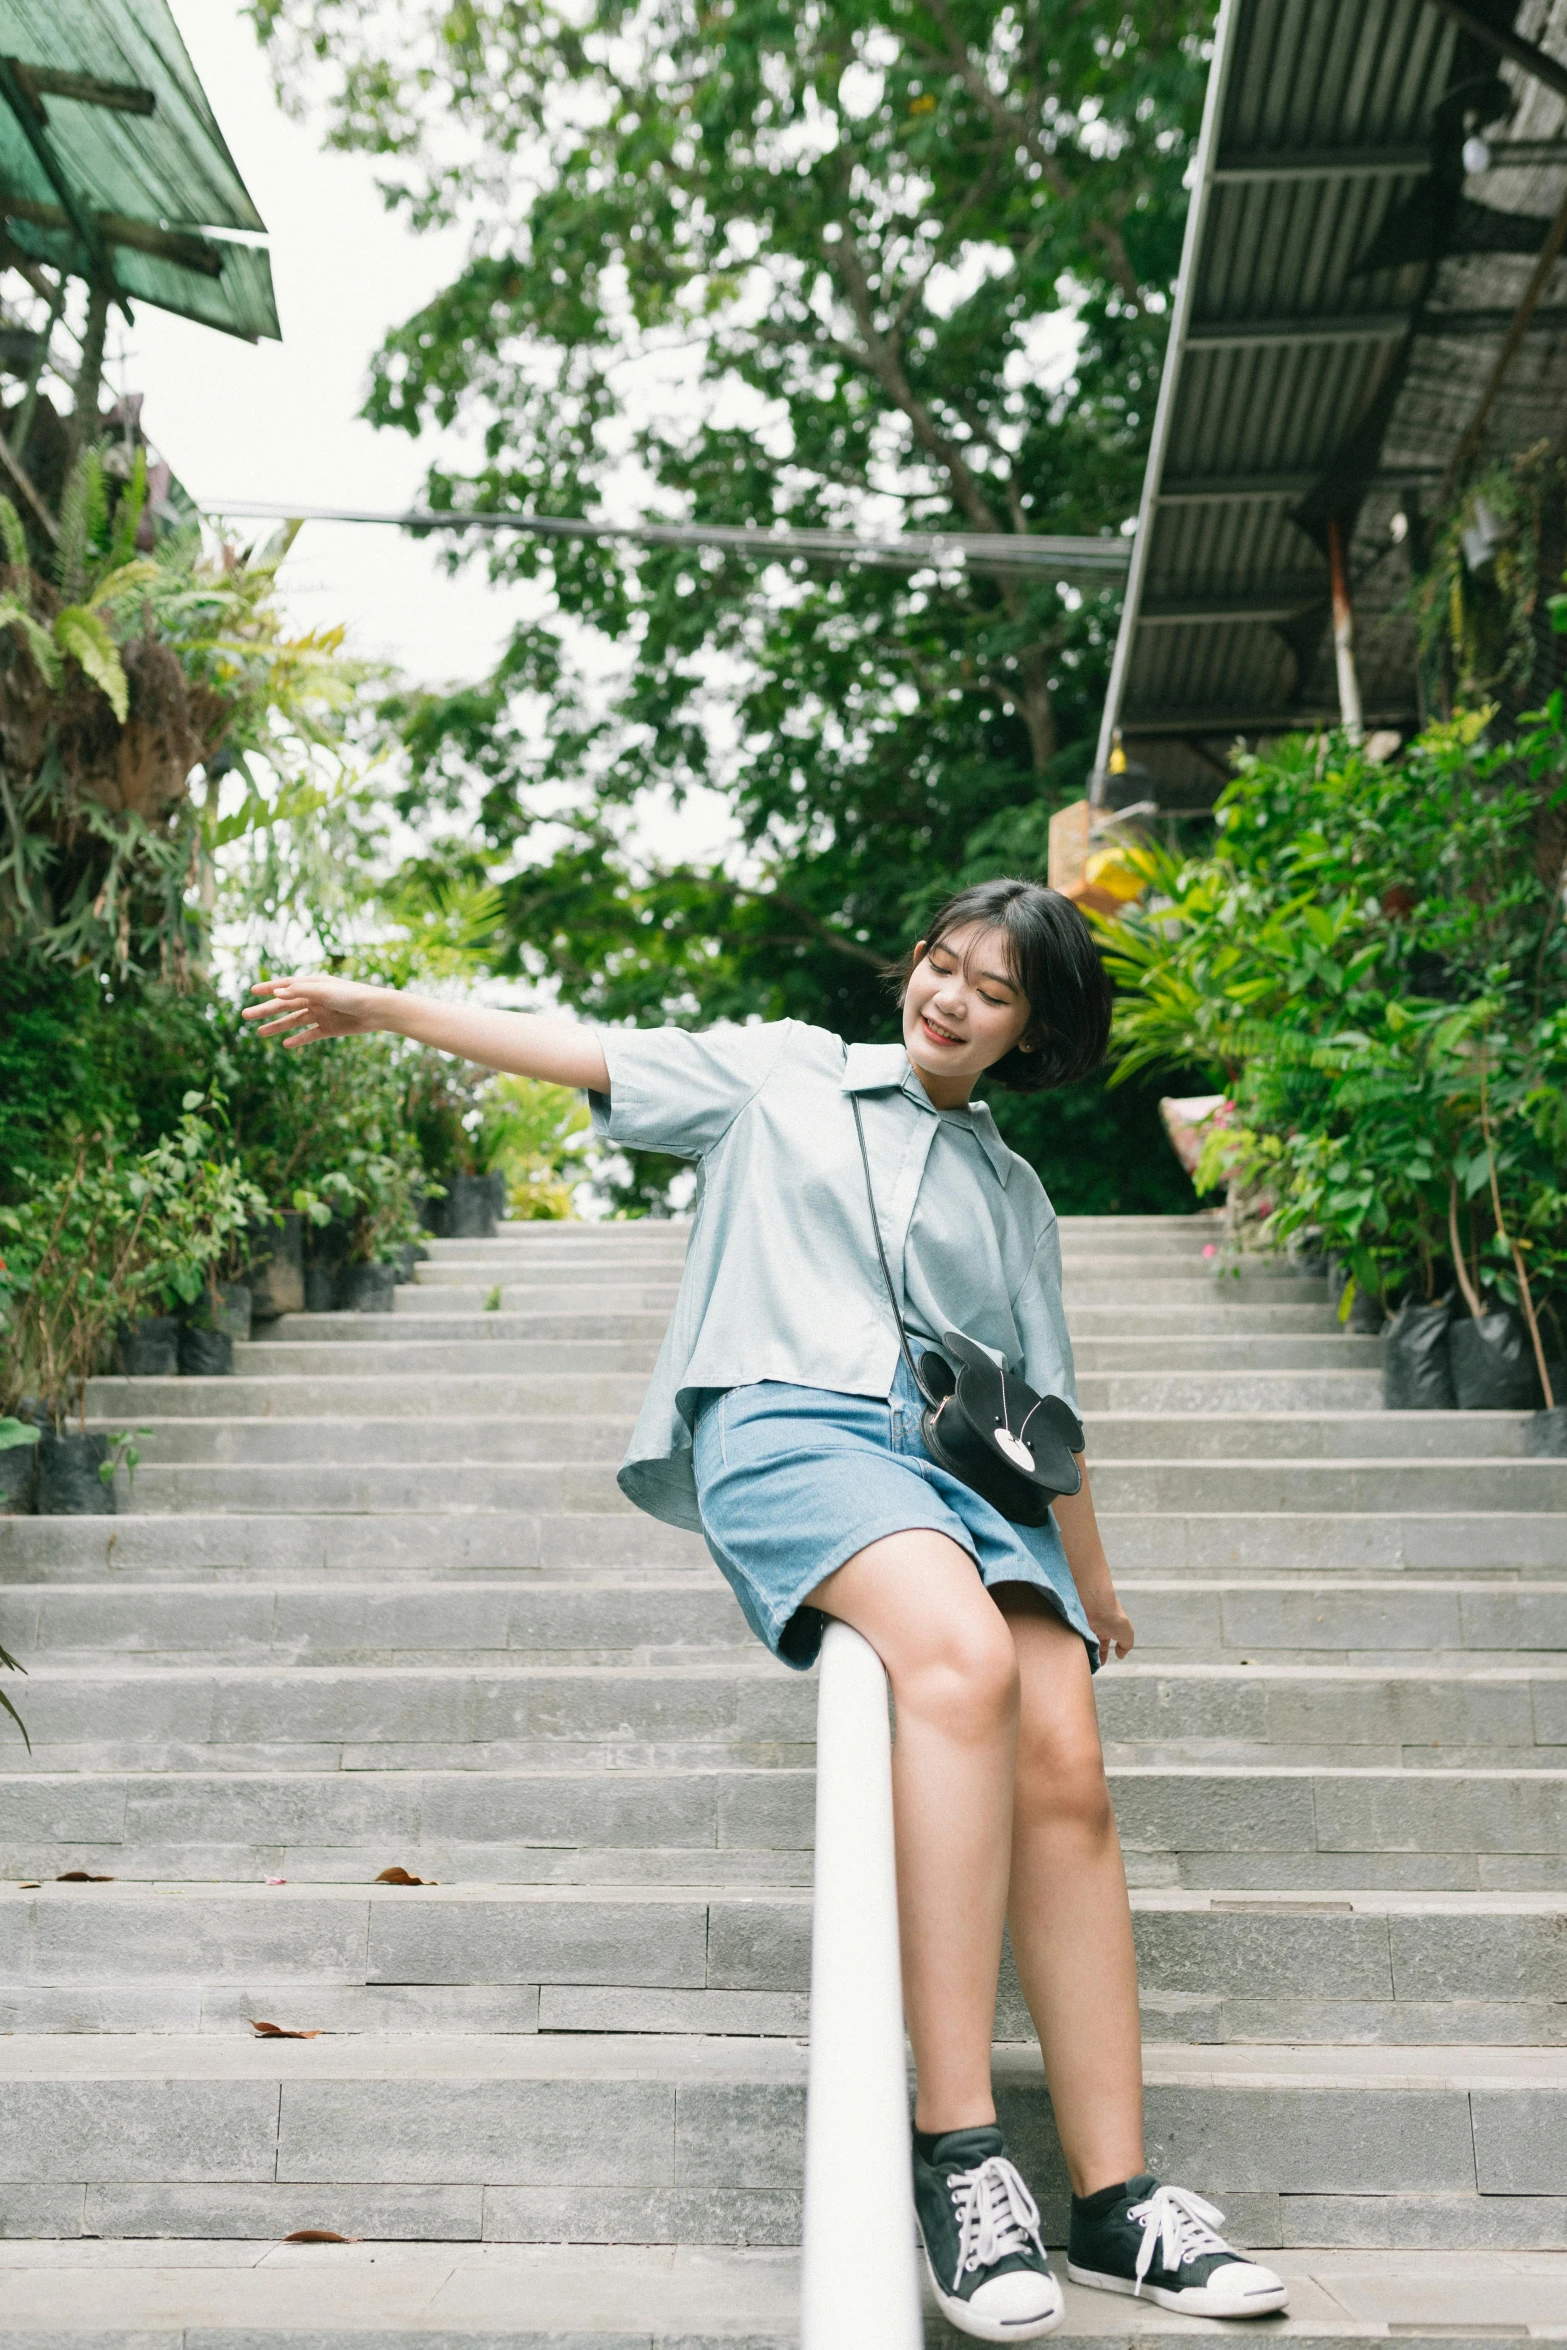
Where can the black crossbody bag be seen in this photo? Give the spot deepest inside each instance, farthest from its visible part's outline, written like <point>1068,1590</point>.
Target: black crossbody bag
<point>980,1424</point>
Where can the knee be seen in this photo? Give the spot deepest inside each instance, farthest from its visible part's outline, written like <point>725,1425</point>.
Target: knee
<point>964,1681</point>
<point>1061,1779</point>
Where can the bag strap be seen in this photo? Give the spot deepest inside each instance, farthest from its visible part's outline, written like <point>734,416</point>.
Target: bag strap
<point>892,1295</point>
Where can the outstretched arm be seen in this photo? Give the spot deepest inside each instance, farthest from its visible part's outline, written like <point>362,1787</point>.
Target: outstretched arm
<point>304,1010</point>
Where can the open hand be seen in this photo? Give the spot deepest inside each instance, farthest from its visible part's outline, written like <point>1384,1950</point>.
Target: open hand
<point>308,1008</point>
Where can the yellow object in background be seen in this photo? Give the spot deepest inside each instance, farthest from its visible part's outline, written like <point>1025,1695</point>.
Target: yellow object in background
<point>1110,870</point>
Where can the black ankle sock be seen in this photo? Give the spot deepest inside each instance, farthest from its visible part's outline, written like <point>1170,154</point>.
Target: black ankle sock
<point>1102,2199</point>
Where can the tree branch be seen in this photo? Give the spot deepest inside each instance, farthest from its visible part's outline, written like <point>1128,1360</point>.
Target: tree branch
<point>1017,126</point>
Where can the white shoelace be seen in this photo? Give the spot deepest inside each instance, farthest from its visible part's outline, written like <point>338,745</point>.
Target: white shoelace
<point>1179,2223</point>
<point>996,2215</point>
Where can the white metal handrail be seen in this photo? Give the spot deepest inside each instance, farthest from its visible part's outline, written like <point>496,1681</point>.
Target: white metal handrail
<point>860,2286</point>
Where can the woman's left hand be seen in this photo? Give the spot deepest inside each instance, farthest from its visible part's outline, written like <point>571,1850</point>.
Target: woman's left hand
<point>1108,1621</point>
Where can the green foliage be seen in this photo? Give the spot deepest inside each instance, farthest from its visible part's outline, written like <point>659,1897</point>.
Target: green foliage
<point>887,265</point>
<point>1373,964</point>
<point>1483,599</point>
<point>113,1236</point>
<point>119,683</point>
<point>534,1133</point>
<point>206,1208</point>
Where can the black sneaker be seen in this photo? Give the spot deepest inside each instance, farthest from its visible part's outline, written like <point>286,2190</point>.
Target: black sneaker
<point>980,2228</point>
<point>1161,2243</point>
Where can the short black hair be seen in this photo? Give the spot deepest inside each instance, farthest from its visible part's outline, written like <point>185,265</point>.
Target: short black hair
<point>1056,964</point>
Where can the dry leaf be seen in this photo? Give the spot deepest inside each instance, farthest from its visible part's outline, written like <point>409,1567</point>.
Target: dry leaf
<point>401,1877</point>
<point>320,2236</point>
<point>266,2031</point>
<point>81,1877</point>
<point>28,1884</point>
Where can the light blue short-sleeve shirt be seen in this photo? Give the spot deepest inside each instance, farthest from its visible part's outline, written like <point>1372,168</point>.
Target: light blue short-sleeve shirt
<point>781,1278</point>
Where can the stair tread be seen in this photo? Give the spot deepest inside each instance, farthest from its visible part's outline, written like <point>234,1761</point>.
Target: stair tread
<point>678,2057</point>
<point>624,2297</point>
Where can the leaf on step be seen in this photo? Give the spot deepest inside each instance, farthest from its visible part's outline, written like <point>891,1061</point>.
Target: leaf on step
<point>319,2236</point>
<point>265,2031</point>
<point>401,1877</point>
<point>81,1877</point>
<point>28,1884</point>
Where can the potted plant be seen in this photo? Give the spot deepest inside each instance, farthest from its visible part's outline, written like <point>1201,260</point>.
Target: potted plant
<point>199,1238</point>
<point>76,1269</point>
<point>276,1271</point>
<point>18,1467</point>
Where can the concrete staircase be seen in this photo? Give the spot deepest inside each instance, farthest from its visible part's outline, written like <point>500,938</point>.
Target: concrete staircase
<point>376,1602</point>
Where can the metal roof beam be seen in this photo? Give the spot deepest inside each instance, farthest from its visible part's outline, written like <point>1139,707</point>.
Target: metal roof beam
<point>164,244</point>
<point>1234,334</point>
<point>25,110</point>
<point>1249,489</point>
<point>1367,326</point>
<point>1270,601</point>
<point>86,89</point>
<point>1322,163</point>
<point>1525,54</point>
<point>1232,722</point>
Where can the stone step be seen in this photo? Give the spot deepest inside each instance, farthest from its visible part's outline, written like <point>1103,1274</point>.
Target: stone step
<point>629,1295</point>
<point>557,2137</point>
<point>464,1483</point>
<point>249,1717</point>
<point>1247,1827</point>
<point>607,1620</point>
<point>363,1345</point>
<point>443,1315</point>
<point>410,1544</point>
<point>228,2294</point>
<point>321,1345</point>
<point>487,1394</point>
<point>441,1435</point>
<point>1201,1542</point>
<point>1098,1285</point>
<point>1220,1347</point>
<point>1363,1966</point>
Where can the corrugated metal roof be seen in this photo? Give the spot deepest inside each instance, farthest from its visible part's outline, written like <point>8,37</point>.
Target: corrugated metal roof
<point>1344,292</point>
<point>126,174</point>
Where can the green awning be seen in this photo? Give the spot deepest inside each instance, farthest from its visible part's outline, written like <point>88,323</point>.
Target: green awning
<point>112,163</point>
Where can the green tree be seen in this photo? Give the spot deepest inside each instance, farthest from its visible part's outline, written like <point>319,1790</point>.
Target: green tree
<point>899,262</point>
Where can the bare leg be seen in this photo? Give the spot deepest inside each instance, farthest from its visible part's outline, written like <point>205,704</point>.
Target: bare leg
<point>953,1667</point>
<point>1070,1919</point>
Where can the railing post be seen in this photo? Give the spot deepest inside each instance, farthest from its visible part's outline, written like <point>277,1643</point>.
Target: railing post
<point>860,2285</point>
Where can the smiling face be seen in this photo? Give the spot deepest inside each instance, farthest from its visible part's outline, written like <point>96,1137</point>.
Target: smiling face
<point>962,1011</point>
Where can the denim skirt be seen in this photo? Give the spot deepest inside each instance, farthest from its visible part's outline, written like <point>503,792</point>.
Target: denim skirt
<point>792,1481</point>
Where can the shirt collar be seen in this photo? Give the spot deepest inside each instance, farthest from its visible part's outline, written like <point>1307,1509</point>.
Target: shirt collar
<point>877,1068</point>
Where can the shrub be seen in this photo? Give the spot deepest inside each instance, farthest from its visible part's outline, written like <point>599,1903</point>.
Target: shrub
<point>1371,962</point>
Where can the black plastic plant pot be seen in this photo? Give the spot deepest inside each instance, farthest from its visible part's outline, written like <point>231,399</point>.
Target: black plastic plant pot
<point>150,1348</point>
<point>205,1354</point>
<point>1416,1372</point>
<point>277,1271</point>
<point>1547,1434</point>
<point>233,1309</point>
<point>1492,1360</point>
<point>18,1480</point>
<point>369,1289</point>
<point>468,1210</point>
<point>69,1485</point>
<point>322,1283</point>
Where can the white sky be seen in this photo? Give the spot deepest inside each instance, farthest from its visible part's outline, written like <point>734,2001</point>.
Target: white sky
<point>279,421</point>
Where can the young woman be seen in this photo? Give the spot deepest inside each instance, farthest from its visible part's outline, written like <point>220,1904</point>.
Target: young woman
<point>783,1423</point>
